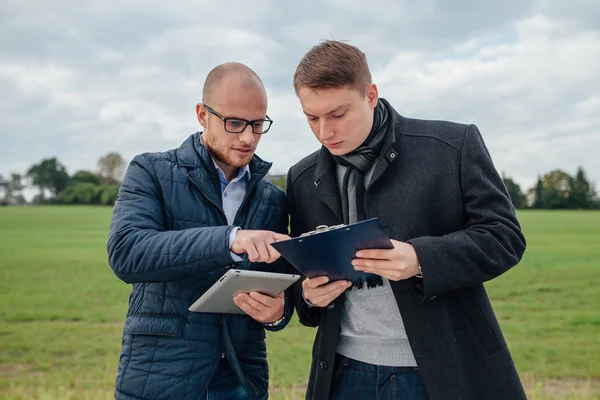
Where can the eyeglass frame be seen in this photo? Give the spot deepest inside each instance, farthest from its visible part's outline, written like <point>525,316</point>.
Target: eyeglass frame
<point>251,123</point>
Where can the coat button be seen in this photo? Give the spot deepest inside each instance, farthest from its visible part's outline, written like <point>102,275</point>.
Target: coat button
<point>218,322</point>
<point>331,306</point>
<point>323,365</point>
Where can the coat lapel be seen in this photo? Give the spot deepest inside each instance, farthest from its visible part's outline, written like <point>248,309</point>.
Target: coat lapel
<point>326,183</point>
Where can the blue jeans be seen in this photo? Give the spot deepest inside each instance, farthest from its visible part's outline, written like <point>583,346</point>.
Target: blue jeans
<point>357,380</point>
<point>224,385</point>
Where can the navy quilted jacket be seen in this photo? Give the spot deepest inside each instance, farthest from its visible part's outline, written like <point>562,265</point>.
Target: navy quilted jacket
<point>169,238</point>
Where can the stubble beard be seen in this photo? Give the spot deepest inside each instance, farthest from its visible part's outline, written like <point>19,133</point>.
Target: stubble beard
<point>223,156</point>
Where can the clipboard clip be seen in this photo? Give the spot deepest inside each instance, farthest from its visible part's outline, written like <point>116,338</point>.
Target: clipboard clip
<point>323,228</point>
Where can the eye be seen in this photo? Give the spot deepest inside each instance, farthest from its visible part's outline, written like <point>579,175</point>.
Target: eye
<point>339,115</point>
<point>312,119</point>
<point>235,123</point>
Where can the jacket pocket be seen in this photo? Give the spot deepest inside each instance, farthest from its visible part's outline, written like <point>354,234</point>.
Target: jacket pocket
<point>155,325</point>
<point>480,325</point>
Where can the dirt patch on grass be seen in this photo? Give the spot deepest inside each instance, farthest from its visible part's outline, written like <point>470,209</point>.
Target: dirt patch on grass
<point>7,370</point>
<point>550,389</point>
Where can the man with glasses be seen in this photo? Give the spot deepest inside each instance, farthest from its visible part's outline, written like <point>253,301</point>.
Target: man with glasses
<point>182,219</point>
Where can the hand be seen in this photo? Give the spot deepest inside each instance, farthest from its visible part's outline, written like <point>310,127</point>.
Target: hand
<point>262,308</point>
<point>320,293</point>
<point>257,244</point>
<point>395,264</point>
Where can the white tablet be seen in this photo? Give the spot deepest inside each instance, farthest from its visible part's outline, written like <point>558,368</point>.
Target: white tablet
<point>219,297</point>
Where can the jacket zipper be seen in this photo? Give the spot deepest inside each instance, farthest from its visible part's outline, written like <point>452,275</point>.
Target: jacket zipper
<point>208,198</point>
<point>246,197</point>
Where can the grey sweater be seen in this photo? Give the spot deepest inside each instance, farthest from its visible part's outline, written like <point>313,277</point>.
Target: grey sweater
<point>371,328</point>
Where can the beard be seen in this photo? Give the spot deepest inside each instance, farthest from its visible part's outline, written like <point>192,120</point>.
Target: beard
<point>226,154</point>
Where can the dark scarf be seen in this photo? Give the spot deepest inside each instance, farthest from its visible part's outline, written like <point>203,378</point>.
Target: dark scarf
<point>357,164</point>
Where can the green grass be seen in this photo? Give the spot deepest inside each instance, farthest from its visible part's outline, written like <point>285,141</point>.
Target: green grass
<point>62,308</point>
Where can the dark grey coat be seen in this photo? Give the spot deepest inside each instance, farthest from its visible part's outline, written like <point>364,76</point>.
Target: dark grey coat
<point>436,188</point>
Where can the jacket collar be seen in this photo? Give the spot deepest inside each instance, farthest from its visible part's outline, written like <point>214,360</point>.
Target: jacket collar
<point>194,155</point>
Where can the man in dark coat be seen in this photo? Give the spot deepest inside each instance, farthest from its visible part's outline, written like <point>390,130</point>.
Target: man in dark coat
<point>421,327</point>
<point>182,219</point>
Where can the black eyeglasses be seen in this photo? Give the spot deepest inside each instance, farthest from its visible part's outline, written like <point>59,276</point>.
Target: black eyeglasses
<point>238,125</point>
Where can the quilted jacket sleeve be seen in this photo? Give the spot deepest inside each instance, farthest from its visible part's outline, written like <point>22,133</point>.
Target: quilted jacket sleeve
<point>139,248</point>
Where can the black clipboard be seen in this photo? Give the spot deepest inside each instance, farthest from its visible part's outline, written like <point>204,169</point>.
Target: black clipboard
<point>328,251</point>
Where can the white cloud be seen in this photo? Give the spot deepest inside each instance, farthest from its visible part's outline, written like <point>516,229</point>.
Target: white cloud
<point>535,99</point>
<point>80,79</point>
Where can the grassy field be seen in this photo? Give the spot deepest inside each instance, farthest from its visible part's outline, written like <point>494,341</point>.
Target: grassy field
<point>62,309</point>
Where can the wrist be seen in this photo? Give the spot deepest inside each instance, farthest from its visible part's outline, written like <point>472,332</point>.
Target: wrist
<point>310,305</point>
<point>420,273</point>
<point>276,322</point>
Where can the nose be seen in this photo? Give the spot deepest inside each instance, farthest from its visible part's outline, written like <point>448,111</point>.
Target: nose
<point>326,131</point>
<point>247,136</point>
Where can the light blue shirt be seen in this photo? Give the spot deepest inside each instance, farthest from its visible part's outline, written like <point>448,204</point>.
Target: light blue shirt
<point>232,196</point>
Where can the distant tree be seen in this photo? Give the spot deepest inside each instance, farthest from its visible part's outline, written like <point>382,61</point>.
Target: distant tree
<point>3,185</point>
<point>82,193</point>
<point>582,192</point>
<point>514,190</point>
<point>38,199</point>
<point>11,190</point>
<point>536,194</point>
<point>49,175</point>
<point>278,180</point>
<point>557,190</point>
<point>109,194</point>
<point>111,168</point>
<point>85,177</point>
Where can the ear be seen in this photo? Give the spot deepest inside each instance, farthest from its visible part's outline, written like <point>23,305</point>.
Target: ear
<point>372,95</point>
<point>202,115</point>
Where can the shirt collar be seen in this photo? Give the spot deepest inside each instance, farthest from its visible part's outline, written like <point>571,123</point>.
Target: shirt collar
<point>243,173</point>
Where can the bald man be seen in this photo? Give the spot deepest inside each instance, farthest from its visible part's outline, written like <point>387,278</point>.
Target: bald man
<point>182,219</point>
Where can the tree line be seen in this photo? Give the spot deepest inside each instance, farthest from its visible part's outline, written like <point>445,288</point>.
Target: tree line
<point>554,190</point>
<point>56,186</point>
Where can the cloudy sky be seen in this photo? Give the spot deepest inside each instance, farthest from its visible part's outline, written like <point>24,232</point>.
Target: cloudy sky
<point>79,79</point>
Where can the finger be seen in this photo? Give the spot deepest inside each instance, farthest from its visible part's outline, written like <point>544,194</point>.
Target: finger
<point>248,308</point>
<point>379,264</point>
<point>254,303</point>
<point>279,236</point>
<point>327,293</point>
<point>251,251</point>
<point>263,253</point>
<point>392,275</point>
<point>273,254</point>
<point>314,282</point>
<point>265,300</point>
<point>323,301</point>
<point>377,254</point>
<point>241,298</point>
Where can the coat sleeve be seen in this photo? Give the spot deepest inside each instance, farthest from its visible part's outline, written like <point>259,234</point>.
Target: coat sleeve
<point>139,247</point>
<point>308,316</point>
<point>491,241</point>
